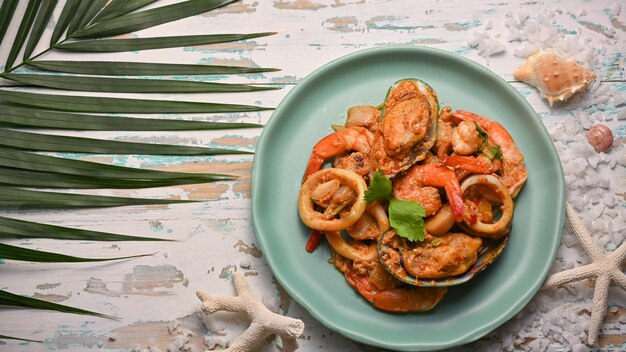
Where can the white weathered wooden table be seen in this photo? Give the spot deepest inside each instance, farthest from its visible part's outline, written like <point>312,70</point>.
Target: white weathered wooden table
<point>155,296</point>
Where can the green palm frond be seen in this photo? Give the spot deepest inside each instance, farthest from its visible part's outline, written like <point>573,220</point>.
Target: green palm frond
<point>18,159</point>
<point>145,19</point>
<point>24,198</point>
<point>117,8</point>
<point>11,299</point>
<point>17,338</point>
<point>6,13</point>
<point>130,85</point>
<point>32,255</point>
<point>112,68</point>
<point>67,14</point>
<point>14,228</point>
<point>17,116</point>
<point>52,143</point>
<point>78,29</point>
<point>133,44</point>
<point>22,32</point>
<point>106,104</point>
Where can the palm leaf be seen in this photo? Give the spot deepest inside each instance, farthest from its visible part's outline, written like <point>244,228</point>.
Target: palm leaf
<point>22,32</point>
<point>45,12</point>
<point>95,6</point>
<point>134,44</point>
<point>10,299</point>
<point>105,104</point>
<point>35,162</point>
<point>37,179</point>
<point>6,14</point>
<point>51,143</point>
<point>13,228</point>
<point>17,197</point>
<point>31,255</point>
<point>36,118</point>
<point>64,20</point>
<point>111,68</point>
<point>117,8</point>
<point>140,20</point>
<point>129,85</point>
<point>17,338</point>
<point>78,14</point>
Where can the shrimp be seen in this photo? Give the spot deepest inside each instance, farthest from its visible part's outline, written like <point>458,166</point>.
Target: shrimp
<point>351,138</point>
<point>401,299</point>
<point>465,138</point>
<point>513,173</point>
<point>475,164</point>
<point>410,186</point>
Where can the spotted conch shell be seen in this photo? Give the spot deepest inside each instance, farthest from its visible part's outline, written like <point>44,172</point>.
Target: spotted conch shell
<point>556,77</point>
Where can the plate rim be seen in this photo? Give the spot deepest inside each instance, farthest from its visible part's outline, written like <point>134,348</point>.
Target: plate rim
<point>472,335</point>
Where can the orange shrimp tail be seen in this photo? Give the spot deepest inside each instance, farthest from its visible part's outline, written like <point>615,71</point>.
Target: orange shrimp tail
<point>314,165</point>
<point>388,300</point>
<point>471,164</point>
<point>453,192</point>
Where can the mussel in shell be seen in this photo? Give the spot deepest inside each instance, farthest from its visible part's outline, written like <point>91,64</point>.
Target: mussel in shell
<point>408,127</point>
<point>442,261</point>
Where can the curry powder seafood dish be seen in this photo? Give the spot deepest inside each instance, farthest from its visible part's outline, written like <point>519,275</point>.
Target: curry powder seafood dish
<point>415,198</point>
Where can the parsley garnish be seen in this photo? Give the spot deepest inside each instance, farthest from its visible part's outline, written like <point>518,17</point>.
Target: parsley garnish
<point>407,218</point>
<point>379,189</point>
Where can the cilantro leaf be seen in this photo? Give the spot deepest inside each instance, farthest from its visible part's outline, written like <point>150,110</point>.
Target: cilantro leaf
<point>380,188</point>
<point>407,218</point>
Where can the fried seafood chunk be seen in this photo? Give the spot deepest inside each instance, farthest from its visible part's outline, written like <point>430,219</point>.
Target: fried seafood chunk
<point>436,257</point>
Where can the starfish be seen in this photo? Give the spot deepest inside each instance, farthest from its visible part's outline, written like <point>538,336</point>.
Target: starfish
<point>264,322</point>
<point>605,266</point>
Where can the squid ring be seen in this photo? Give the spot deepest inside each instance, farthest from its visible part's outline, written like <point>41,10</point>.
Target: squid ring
<point>503,225</point>
<point>353,250</point>
<point>314,219</point>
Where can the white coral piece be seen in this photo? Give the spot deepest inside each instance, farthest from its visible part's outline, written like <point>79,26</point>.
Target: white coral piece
<point>264,322</point>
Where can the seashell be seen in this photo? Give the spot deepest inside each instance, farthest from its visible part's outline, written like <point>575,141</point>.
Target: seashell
<point>600,137</point>
<point>556,77</point>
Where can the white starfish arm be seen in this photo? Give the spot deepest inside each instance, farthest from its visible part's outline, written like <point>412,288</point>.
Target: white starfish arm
<point>583,235</point>
<point>619,277</point>
<point>598,309</point>
<point>563,277</point>
<point>619,254</point>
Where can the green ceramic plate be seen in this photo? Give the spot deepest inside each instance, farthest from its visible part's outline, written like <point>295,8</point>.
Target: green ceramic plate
<point>468,311</point>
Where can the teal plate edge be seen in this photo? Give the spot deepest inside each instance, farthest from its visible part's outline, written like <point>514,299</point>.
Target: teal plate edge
<point>312,305</point>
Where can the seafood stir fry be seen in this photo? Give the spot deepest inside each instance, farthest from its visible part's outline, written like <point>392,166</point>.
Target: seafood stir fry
<point>414,198</point>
